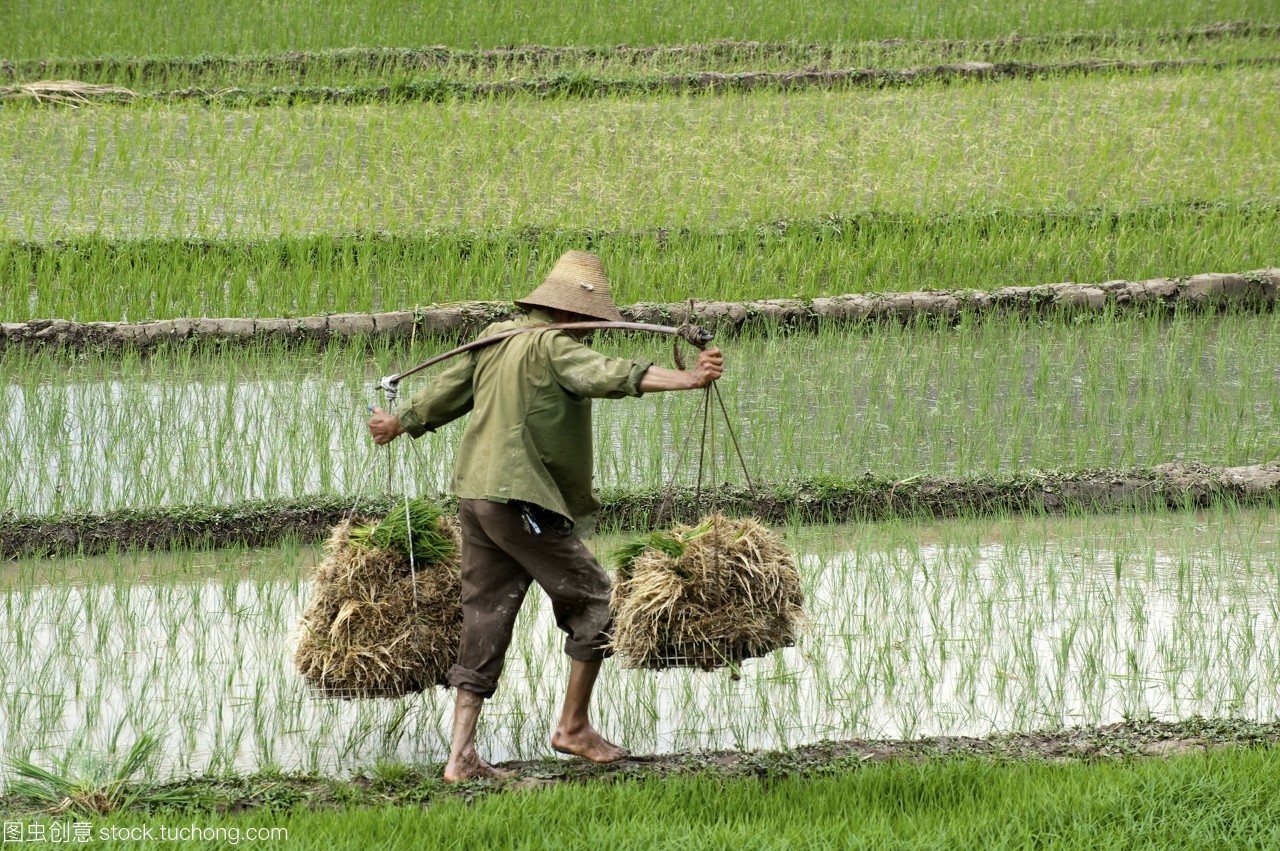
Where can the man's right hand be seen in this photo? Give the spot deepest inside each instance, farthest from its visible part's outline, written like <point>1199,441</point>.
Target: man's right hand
<point>709,367</point>
<point>384,427</point>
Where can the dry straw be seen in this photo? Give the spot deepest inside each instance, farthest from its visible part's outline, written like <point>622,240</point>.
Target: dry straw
<point>366,633</point>
<point>71,92</point>
<point>706,596</point>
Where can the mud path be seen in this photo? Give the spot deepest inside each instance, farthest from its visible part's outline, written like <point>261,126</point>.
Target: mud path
<point>1126,739</point>
<point>419,785</point>
<point>1208,292</point>
<point>264,523</point>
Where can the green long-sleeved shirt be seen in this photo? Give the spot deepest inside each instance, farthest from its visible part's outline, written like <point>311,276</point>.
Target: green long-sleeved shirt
<point>529,396</point>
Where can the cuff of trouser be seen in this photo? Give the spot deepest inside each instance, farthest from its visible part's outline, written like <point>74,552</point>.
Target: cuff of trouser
<point>581,652</point>
<point>465,678</point>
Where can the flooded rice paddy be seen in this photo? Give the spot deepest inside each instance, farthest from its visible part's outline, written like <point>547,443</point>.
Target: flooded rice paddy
<point>961,627</point>
<point>988,398</point>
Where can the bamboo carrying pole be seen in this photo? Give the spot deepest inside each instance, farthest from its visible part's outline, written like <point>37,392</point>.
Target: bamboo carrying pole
<point>692,334</point>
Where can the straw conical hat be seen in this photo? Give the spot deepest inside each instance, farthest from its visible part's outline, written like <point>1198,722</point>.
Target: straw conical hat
<point>576,284</point>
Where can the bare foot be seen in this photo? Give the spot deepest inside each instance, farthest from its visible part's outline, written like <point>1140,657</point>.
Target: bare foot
<point>472,767</point>
<point>588,744</point>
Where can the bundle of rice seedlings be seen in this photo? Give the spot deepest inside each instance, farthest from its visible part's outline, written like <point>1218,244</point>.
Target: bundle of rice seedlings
<point>413,530</point>
<point>705,596</point>
<point>375,627</point>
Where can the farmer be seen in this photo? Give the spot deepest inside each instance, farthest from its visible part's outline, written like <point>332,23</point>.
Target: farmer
<point>523,481</point>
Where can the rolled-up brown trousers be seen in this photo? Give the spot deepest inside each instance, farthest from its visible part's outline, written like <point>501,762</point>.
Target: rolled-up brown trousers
<point>500,557</point>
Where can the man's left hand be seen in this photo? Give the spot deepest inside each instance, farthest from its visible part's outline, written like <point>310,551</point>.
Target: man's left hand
<point>384,427</point>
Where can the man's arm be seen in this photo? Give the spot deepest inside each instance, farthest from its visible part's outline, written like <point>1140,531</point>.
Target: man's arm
<point>709,367</point>
<point>585,372</point>
<point>386,427</point>
<point>442,401</point>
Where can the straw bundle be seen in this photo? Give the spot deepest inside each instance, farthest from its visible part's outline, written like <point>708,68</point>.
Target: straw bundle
<point>71,92</point>
<point>705,596</point>
<point>363,634</point>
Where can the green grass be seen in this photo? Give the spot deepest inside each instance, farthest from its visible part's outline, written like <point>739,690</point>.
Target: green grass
<point>93,279</point>
<point>996,396</point>
<point>1223,799</point>
<point>705,163</point>
<point>131,27</point>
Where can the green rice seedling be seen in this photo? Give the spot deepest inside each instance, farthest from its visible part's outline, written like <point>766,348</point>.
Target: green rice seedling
<point>970,627</point>
<point>683,598</point>
<point>110,280</point>
<point>102,788</point>
<point>671,542</point>
<point>192,173</point>
<point>374,625</point>
<point>411,529</point>
<point>987,397</point>
<point>1222,799</point>
<point>124,28</point>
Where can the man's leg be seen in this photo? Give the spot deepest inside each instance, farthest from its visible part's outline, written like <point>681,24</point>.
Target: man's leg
<point>464,762</point>
<point>579,592</point>
<point>574,734</point>
<point>493,587</point>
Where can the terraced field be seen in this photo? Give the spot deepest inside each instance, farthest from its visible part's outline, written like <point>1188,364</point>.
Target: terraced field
<point>319,160</point>
<point>287,424</point>
<point>918,629</point>
<point>128,28</point>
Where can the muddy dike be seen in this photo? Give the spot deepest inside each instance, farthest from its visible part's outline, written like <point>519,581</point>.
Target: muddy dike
<point>414,785</point>
<point>137,70</point>
<point>1176,486</point>
<point>586,85</point>
<point>1256,290</point>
